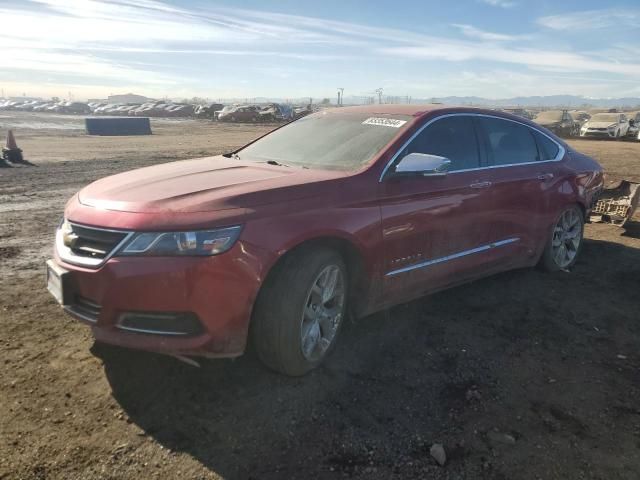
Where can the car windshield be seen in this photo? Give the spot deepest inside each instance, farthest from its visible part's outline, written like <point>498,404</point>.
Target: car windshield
<point>328,140</point>
<point>605,117</point>
<point>553,115</point>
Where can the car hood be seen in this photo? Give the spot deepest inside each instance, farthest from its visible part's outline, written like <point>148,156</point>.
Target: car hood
<point>599,124</point>
<point>549,123</point>
<point>204,185</point>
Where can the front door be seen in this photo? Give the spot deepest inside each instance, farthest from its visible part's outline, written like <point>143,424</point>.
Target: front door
<point>436,230</point>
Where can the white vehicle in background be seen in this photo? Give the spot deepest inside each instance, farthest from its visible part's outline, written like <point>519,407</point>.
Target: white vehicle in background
<point>606,125</point>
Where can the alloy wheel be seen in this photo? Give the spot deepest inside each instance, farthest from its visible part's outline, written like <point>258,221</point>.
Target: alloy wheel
<point>567,236</point>
<point>322,313</point>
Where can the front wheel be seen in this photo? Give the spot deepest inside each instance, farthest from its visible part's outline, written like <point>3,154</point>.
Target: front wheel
<point>562,249</point>
<point>300,310</point>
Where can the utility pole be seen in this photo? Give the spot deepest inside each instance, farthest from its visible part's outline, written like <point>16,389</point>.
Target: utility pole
<point>379,92</point>
<point>340,96</point>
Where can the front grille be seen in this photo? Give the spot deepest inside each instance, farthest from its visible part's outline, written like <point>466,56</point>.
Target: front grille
<point>85,309</point>
<point>87,246</point>
<point>94,243</point>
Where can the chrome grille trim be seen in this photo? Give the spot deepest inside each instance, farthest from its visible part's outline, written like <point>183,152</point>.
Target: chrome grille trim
<point>150,332</point>
<point>67,254</point>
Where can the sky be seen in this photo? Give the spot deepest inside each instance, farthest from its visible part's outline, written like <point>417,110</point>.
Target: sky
<point>309,48</point>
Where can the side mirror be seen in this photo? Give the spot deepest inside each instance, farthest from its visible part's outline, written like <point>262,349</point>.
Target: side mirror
<point>423,164</point>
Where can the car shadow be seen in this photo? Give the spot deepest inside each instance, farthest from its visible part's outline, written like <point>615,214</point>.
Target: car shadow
<point>632,229</point>
<point>444,368</point>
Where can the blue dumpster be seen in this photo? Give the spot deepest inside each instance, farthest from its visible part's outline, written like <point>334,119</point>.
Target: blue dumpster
<point>118,126</point>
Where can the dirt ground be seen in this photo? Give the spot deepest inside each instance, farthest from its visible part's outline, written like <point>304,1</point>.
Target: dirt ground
<point>524,375</point>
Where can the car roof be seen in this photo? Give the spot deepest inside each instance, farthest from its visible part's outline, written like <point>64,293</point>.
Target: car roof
<point>421,110</point>
<point>391,109</point>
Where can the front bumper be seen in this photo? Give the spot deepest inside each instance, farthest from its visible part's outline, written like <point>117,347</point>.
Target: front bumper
<point>214,295</point>
<point>598,133</point>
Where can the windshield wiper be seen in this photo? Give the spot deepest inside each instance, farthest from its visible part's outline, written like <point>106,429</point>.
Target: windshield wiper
<point>233,155</point>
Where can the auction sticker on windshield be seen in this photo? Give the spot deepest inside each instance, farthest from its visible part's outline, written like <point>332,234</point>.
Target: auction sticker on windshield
<point>384,122</point>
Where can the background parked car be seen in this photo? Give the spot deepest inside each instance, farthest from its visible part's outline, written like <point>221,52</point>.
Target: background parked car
<point>208,111</point>
<point>240,113</point>
<point>634,124</point>
<point>559,122</point>
<point>78,108</point>
<point>580,116</point>
<point>606,125</point>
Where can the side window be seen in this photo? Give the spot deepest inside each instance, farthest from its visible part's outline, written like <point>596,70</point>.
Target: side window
<point>450,137</point>
<point>509,142</point>
<point>548,148</point>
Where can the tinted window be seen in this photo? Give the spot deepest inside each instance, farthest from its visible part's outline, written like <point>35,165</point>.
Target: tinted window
<point>548,148</point>
<point>450,137</point>
<point>509,142</point>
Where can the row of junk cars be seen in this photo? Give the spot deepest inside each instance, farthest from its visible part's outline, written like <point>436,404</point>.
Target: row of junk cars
<point>612,124</point>
<point>565,123</point>
<point>215,111</point>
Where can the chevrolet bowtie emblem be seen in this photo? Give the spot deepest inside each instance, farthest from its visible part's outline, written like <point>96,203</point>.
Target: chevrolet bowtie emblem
<point>69,239</point>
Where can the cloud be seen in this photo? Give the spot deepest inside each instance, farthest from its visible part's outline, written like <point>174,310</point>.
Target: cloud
<point>592,20</point>
<point>473,32</point>
<point>500,3</point>
<point>149,43</point>
<point>460,51</point>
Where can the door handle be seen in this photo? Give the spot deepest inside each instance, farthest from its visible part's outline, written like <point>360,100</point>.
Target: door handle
<point>545,176</point>
<point>480,185</point>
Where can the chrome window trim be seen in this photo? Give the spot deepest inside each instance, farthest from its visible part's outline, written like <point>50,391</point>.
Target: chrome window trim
<point>67,255</point>
<point>453,256</point>
<point>558,157</point>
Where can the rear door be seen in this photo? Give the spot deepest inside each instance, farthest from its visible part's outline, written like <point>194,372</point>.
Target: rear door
<point>436,229</point>
<point>521,177</point>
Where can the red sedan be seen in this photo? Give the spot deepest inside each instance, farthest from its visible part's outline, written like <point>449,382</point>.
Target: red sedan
<point>343,212</point>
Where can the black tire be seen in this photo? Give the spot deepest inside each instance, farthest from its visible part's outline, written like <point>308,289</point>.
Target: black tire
<point>276,326</point>
<point>547,260</point>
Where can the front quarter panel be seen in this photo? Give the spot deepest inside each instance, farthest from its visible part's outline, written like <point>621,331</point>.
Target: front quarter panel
<point>349,213</point>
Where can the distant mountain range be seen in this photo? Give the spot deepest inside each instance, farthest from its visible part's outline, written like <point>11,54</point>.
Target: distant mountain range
<point>547,101</point>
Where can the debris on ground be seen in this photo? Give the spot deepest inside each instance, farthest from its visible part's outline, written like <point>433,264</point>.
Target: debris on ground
<point>438,454</point>
<point>500,437</point>
<point>617,204</point>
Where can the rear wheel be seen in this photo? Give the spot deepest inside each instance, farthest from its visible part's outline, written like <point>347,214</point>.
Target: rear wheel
<point>299,313</point>
<point>562,249</point>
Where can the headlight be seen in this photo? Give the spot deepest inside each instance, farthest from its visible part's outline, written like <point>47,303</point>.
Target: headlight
<point>198,243</point>
<point>612,126</point>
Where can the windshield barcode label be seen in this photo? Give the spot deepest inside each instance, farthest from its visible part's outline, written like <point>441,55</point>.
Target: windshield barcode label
<point>384,122</point>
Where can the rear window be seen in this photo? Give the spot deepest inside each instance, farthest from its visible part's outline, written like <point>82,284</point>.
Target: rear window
<point>548,148</point>
<point>328,140</point>
<point>509,142</point>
